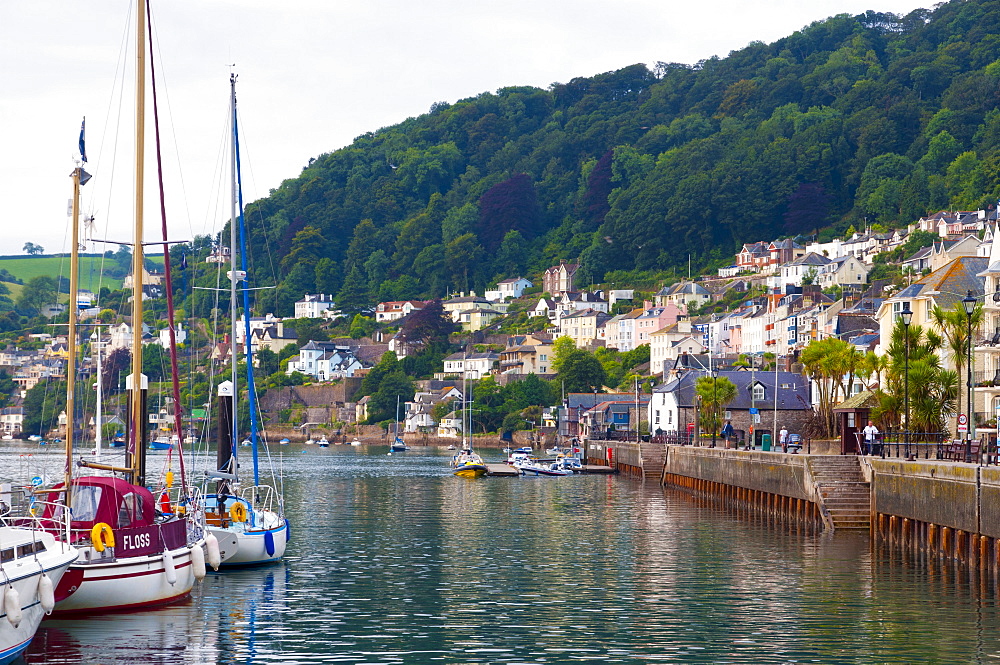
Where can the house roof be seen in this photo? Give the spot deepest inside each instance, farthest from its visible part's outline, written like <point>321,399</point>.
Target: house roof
<point>795,397</point>
<point>949,283</point>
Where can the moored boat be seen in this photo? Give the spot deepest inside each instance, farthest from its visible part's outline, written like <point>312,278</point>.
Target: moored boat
<point>248,519</point>
<point>32,563</point>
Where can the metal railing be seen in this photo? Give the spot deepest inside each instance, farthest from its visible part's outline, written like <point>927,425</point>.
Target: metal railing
<point>937,445</point>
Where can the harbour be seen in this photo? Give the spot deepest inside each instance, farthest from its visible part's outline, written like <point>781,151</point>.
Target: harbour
<point>393,559</point>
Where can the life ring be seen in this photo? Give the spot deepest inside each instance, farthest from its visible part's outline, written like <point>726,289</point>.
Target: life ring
<point>238,512</point>
<point>101,536</point>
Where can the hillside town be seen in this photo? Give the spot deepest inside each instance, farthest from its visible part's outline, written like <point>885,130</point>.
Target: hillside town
<point>749,323</point>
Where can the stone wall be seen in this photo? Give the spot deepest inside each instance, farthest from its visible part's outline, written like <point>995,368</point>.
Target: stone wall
<point>960,496</point>
<point>774,473</point>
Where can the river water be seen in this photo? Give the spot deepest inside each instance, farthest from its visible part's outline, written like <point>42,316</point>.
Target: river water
<point>393,560</point>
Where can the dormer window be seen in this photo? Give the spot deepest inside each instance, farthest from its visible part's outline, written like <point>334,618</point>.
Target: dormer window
<point>758,392</point>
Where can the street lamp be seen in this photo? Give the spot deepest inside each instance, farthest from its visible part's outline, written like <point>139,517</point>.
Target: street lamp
<point>969,302</point>
<point>715,403</point>
<point>905,317</point>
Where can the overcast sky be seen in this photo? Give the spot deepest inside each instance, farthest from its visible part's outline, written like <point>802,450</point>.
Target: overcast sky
<point>313,74</point>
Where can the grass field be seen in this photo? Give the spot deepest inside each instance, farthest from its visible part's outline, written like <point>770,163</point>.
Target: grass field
<point>24,268</point>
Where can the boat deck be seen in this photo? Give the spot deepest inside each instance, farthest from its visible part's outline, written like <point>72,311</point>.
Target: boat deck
<point>508,470</point>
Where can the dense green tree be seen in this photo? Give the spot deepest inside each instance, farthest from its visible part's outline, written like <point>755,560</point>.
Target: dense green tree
<point>42,405</point>
<point>36,294</point>
<point>580,371</point>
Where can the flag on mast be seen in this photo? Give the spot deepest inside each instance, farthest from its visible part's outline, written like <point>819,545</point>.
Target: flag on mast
<point>83,147</point>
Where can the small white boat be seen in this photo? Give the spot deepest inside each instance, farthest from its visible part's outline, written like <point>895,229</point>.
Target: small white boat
<point>536,468</point>
<point>34,437</point>
<point>451,446</point>
<point>310,441</point>
<point>284,442</point>
<point>32,563</point>
<point>8,437</point>
<point>355,442</point>
<point>323,443</point>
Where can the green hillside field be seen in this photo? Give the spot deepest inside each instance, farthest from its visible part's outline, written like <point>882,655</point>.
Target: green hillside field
<point>24,268</point>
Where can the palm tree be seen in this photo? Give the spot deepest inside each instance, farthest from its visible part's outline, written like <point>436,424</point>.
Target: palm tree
<point>954,325</point>
<point>715,393</point>
<point>832,363</point>
<point>933,389</point>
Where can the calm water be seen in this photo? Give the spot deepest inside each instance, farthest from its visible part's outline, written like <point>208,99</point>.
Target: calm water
<point>395,561</point>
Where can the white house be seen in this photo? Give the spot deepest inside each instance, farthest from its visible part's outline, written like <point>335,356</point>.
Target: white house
<point>180,336</point>
<point>313,305</point>
<point>324,361</point>
<point>473,365</point>
<point>511,288</point>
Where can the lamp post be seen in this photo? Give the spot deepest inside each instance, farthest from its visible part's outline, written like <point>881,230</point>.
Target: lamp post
<point>969,302</point>
<point>715,403</point>
<point>905,317</point>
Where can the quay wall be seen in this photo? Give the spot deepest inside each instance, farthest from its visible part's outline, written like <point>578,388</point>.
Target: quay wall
<point>773,473</point>
<point>959,496</point>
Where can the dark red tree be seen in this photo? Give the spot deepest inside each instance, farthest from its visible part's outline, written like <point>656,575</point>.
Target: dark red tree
<point>511,205</point>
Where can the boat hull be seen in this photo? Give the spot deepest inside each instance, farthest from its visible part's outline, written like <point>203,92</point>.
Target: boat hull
<point>124,584</point>
<point>24,576</point>
<point>252,546</point>
<point>470,471</point>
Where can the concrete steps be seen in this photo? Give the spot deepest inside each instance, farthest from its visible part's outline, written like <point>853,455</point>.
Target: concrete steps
<point>844,494</point>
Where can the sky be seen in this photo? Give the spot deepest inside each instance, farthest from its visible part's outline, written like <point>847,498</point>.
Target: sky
<point>312,76</point>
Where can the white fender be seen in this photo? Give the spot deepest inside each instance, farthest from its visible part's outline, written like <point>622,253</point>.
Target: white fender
<point>12,606</point>
<point>46,593</point>
<point>212,545</point>
<point>198,562</point>
<point>168,567</point>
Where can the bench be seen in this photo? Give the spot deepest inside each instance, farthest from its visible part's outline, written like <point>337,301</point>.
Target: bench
<point>956,450</point>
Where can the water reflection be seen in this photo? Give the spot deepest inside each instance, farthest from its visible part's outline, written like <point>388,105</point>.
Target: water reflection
<point>394,560</point>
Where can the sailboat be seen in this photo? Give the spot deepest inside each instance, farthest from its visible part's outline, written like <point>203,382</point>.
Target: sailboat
<point>466,463</point>
<point>397,445</point>
<point>131,554</point>
<point>248,520</point>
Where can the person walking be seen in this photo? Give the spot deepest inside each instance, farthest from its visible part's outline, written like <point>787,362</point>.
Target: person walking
<point>783,439</point>
<point>870,435</point>
<point>727,433</point>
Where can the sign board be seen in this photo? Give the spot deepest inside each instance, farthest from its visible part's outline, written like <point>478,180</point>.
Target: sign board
<point>755,411</point>
<point>756,418</point>
<point>963,423</point>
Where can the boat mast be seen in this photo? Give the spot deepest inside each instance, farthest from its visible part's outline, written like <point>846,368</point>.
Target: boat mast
<point>74,262</point>
<point>233,278</point>
<point>135,442</point>
<point>248,348</point>
<point>98,421</point>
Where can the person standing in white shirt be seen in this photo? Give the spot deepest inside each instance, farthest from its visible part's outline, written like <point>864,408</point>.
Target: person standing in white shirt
<point>871,437</point>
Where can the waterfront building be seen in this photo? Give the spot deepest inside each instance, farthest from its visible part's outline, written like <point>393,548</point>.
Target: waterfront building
<point>672,407</point>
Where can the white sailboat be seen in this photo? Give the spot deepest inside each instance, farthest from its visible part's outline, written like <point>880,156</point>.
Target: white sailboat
<point>131,555</point>
<point>247,520</point>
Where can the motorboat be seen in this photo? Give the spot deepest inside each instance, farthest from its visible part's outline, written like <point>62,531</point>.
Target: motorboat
<point>323,443</point>
<point>467,464</point>
<point>537,468</point>
<point>355,442</point>
<point>32,562</point>
<point>284,442</point>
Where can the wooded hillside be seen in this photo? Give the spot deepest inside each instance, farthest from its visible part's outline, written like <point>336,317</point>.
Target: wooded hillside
<point>873,116</point>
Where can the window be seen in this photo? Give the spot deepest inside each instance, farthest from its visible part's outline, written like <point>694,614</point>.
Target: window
<point>758,392</point>
<point>657,420</point>
<point>85,502</point>
<point>728,415</point>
